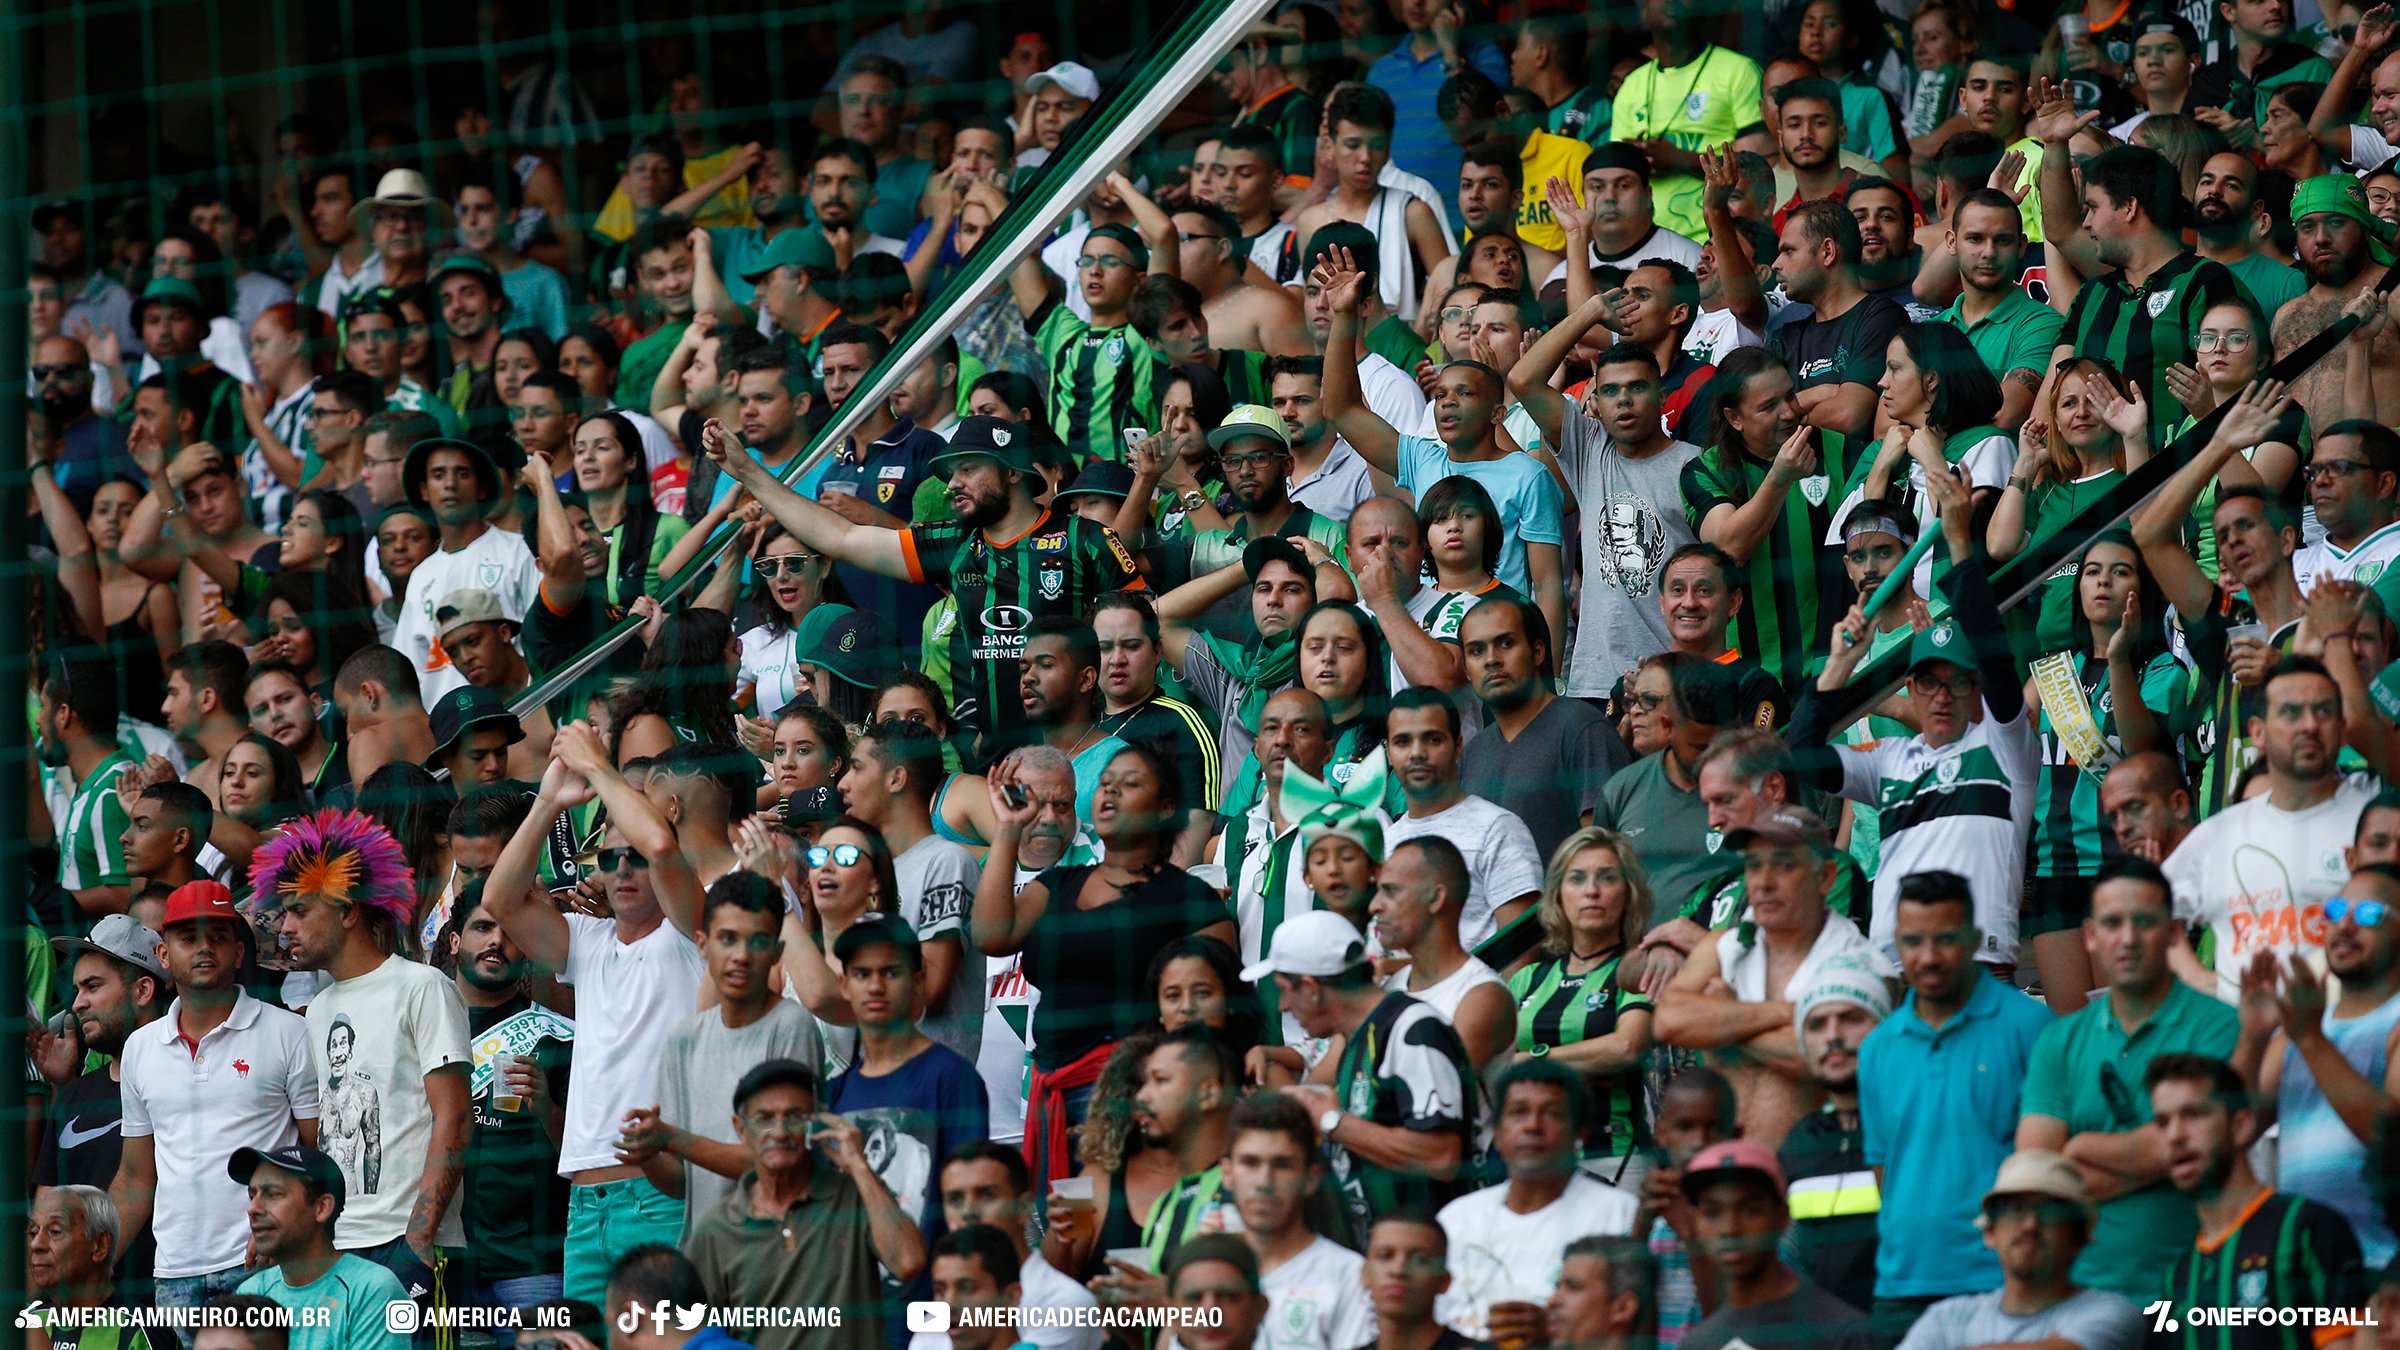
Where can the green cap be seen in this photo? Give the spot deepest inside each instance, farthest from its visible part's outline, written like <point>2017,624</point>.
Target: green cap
<point>812,627</point>
<point>1250,420</point>
<point>1942,642</point>
<point>176,289</point>
<point>470,264</point>
<point>2342,195</point>
<point>793,248</point>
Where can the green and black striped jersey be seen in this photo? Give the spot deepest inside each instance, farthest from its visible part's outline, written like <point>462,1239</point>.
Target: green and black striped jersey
<point>1058,567</point>
<point>1178,1213</point>
<point>1555,1008</point>
<point>1245,377</point>
<point>2284,1252</point>
<point>2070,836</point>
<point>2220,707</point>
<point>1796,586</point>
<point>1102,380</point>
<point>2142,330</point>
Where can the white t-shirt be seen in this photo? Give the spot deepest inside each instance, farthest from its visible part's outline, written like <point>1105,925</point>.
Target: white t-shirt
<point>1499,1256</point>
<point>1987,463</point>
<point>497,561</point>
<point>628,997</point>
<point>1390,392</point>
<point>375,1039</point>
<point>336,289</point>
<point>1502,863</point>
<point>1717,335</point>
<point>1316,1301</point>
<point>2322,561</point>
<point>1975,809</point>
<point>1661,242</point>
<point>771,667</point>
<point>1745,967</point>
<point>243,1086</point>
<point>937,883</point>
<point>2259,877</point>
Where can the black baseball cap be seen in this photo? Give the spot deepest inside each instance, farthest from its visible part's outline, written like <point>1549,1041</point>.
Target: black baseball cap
<point>1274,548</point>
<point>1011,443</point>
<point>298,1159</point>
<point>1100,478</point>
<point>462,710</point>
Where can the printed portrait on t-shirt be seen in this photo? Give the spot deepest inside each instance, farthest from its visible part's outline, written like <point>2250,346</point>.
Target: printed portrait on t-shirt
<point>350,1121</point>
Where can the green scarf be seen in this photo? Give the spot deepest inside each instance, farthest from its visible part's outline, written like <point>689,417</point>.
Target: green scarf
<point>1264,669</point>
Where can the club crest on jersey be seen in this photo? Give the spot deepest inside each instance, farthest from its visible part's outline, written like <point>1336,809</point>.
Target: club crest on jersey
<point>487,575</point>
<point>1054,581</point>
<point>1114,352</point>
<point>2159,302</point>
<point>1695,104</point>
<point>2251,1288</point>
<point>1947,772</point>
<point>1814,488</point>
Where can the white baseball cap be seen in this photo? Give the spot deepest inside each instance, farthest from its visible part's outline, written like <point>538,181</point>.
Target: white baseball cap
<point>1073,76</point>
<point>1319,943</point>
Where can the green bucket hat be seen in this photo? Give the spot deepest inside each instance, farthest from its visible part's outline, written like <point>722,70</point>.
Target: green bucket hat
<point>173,290</point>
<point>2342,195</point>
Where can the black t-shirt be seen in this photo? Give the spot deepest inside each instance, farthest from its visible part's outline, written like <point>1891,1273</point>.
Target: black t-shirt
<point>1093,965</point>
<point>1837,1248</point>
<point>516,1202</point>
<point>81,1144</point>
<point>1847,350</point>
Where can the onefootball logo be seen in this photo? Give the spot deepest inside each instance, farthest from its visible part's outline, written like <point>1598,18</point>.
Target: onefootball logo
<point>684,1316</point>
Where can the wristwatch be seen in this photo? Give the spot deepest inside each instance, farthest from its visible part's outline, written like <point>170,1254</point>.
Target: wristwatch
<point>1192,501</point>
<point>1327,1123</point>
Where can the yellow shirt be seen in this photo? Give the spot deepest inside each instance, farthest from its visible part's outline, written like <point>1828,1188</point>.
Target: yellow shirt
<point>1546,157</point>
<point>730,207</point>
<point>1698,105</point>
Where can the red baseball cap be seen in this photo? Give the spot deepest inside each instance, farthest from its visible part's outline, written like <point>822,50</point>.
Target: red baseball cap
<point>1734,1159</point>
<point>200,900</point>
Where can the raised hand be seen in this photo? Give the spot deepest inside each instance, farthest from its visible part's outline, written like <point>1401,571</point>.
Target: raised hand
<point>716,441</point>
<point>1798,457</point>
<point>2254,414</point>
<point>2188,389</point>
<point>2006,173</point>
<point>1618,309</point>
<point>2125,416</point>
<point>1571,215</point>
<point>1337,275</point>
<point>2033,448</point>
<point>2054,120</point>
<point>2371,308</point>
<point>2375,29</point>
<point>2127,638</point>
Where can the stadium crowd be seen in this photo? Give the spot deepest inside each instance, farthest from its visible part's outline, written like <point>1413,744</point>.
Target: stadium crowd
<point>1312,763</point>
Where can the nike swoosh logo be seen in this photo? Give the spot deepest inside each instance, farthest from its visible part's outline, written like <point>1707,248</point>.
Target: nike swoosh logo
<point>70,1137</point>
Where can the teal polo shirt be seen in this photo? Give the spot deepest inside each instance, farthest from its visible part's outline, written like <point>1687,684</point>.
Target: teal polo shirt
<point>2019,333</point>
<point>2087,1071</point>
<point>1939,1111</point>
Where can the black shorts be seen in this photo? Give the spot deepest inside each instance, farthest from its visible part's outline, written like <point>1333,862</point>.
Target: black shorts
<point>2053,905</point>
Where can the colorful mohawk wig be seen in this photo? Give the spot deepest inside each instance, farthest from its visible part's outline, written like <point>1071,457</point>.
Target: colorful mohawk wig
<point>341,856</point>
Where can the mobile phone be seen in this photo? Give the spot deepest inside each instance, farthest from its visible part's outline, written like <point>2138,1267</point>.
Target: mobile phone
<point>1015,795</point>
<point>1133,434</point>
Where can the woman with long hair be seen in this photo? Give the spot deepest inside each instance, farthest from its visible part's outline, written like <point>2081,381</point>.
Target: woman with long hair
<point>1939,399</point>
<point>2113,691</point>
<point>2231,346</point>
<point>415,807</point>
<point>259,782</point>
<point>2094,432</point>
<point>1197,981</point>
<point>1462,532</point>
<point>522,352</point>
<point>810,750</point>
<point>1580,1001</point>
<point>1192,402</point>
<point>850,877</point>
<point>792,582</point>
<point>136,618</point>
<point>613,481</point>
<point>1343,660</point>
<point>1759,492</point>
<point>1127,1174</point>
<point>1088,932</point>
<point>684,693</point>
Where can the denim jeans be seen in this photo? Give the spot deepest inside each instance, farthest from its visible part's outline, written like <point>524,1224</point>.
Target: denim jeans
<point>190,1291</point>
<point>607,1220</point>
<point>520,1293</point>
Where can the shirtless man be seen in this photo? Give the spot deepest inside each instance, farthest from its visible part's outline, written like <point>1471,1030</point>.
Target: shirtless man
<point>1358,122</point>
<point>2337,253</point>
<point>1242,316</point>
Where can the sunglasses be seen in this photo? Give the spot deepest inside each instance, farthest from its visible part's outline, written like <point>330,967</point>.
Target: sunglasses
<point>787,565</point>
<point>2368,913</point>
<point>618,859</point>
<point>841,855</point>
<point>57,372</point>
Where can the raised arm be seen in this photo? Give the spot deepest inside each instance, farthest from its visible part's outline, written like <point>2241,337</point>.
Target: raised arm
<point>1345,403</point>
<point>521,909</point>
<point>693,199</point>
<point>2330,124</point>
<point>1737,271</point>
<point>646,831</point>
<point>1157,227</point>
<point>2158,526</point>
<point>709,295</point>
<point>1004,913</point>
<point>864,546</point>
<point>1179,610</point>
<point>78,575</point>
<point>281,461</point>
<point>1423,658</point>
<point>1529,378</point>
<point>2054,123</point>
<point>666,391</point>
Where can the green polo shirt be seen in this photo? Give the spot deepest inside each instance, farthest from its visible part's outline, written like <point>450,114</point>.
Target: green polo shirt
<point>2087,1071</point>
<point>1397,343</point>
<point>2019,333</point>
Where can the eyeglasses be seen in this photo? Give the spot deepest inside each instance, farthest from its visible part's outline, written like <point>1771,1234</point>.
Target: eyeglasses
<point>2334,468</point>
<point>618,859</point>
<point>787,565</point>
<point>1255,459</point>
<point>1648,702</point>
<point>2368,913</point>
<point>768,1122</point>
<point>1457,314</point>
<point>840,855</point>
<point>1103,261</point>
<point>2237,340</point>
<point>1959,685</point>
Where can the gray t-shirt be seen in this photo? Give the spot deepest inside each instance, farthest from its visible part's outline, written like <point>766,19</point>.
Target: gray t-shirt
<point>937,886</point>
<point>697,1069</point>
<point>1551,773</point>
<point>2094,1319</point>
<point>1807,1318</point>
<point>1632,522</point>
<point>1668,827</point>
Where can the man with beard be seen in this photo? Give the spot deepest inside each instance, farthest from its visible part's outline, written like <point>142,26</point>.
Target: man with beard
<point>120,987</point>
<point>778,198</point>
<point>2141,315</point>
<point>1837,1200</point>
<point>2327,1076</point>
<point>2353,478</point>
<point>2013,332</point>
<point>2037,1218</point>
<point>1626,472</point>
<point>798,287</point>
<point>1543,757</point>
<point>1887,243</point>
<point>842,190</point>
<point>2077,1100</point>
<point>1808,132</point>
<point>1005,557</point>
<point>1328,477</point>
<point>2289,1251</point>
<point>1060,689</point>
<point>666,253</point>
<point>1836,353</point>
<point>535,292</point>
<point>2231,223</point>
<point>1183,1103</point>
<point>2297,830</point>
<point>1254,449</point>
<point>2341,252</point>
<point>81,448</point>
<point>516,1203</point>
<point>457,481</point>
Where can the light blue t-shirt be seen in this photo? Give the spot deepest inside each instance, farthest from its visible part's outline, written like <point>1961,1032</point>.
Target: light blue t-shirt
<point>355,1291</point>
<point>1532,511</point>
<point>537,298</point>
